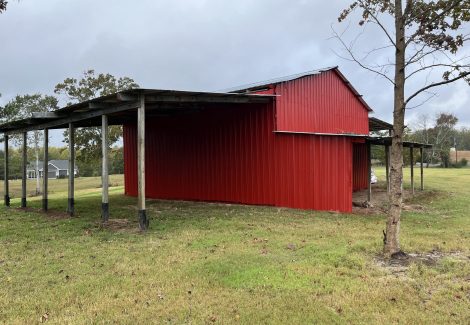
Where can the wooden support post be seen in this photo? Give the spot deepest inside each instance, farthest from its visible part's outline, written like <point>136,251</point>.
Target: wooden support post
<point>6,175</point>
<point>45,170</point>
<point>369,172</point>
<point>387,167</point>
<point>71,197</point>
<point>104,171</point>
<point>24,166</point>
<point>422,168</point>
<point>143,221</point>
<point>412,171</point>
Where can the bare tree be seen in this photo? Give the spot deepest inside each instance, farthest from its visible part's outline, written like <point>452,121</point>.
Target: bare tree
<point>422,133</point>
<point>441,135</point>
<point>422,42</point>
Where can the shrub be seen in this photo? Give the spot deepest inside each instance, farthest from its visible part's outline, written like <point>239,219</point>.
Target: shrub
<point>462,163</point>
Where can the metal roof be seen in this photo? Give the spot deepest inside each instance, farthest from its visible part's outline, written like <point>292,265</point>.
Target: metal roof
<point>265,84</point>
<point>378,125</point>
<point>121,107</point>
<point>387,141</point>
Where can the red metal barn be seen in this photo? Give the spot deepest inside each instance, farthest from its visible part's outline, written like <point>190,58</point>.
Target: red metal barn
<point>303,150</point>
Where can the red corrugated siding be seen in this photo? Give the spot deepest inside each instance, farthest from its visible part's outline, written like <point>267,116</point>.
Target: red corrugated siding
<point>320,103</point>
<point>230,154</point>
<point>360,166</point>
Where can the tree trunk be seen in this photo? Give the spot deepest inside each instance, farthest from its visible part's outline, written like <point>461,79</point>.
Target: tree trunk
<point>392,235</point>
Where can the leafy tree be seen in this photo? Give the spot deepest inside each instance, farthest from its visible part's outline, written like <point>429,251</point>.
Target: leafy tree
<point>3,5</point>
<point>89,86</point>
<point>22,107</point>
<point>422,42</point>
<point>15,163</point>
<point>117,161</point>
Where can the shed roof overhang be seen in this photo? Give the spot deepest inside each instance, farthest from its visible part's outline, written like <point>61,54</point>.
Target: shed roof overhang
<point>378,125</point>
<point>387,141</point>
<point>121,107</point>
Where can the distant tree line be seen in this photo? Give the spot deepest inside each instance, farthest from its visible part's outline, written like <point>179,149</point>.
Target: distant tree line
<point>441,132</point>
<point>86,169</point>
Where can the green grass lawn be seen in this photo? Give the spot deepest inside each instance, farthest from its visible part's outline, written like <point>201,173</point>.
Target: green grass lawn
<point>214,263</point>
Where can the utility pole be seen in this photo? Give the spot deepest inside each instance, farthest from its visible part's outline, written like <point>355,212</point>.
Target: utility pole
<point>455,147</point>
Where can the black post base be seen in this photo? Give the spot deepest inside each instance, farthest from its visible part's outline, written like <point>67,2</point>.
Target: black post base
<point>143,220</point>
<point>71,206</point>
<point>7,200</point>
<point>105,212</point>
<point>23,202</point>
<point>45,204</point>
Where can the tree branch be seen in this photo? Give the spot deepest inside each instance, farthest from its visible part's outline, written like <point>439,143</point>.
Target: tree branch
<point>357,61</point>
<point>436,84</point>
<point>377,21</point>
<point>431,66</point>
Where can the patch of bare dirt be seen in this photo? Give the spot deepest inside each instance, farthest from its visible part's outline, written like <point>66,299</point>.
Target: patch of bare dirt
<point>119,225</point>
<point>54,215</point>
<point>400,264</point>
<point>379,201</point>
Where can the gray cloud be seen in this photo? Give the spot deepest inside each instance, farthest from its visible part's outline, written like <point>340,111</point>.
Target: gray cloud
<point>181,44</point>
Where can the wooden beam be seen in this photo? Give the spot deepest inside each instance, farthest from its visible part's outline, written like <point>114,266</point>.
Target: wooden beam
<point>104,171</point>
<point>231,98</point>
<point>71,197</point>
<point>100,105</point>
<point>412,171</point>
<point>422,168</point>
<point>126,98</point>
<point>45,170</point>
<point>24,166</point>
<point>143,221</point>
<point>45,115</point>
<point>387,167</point>
<point>75,118</point>
<point>369,172</point>
<point>6,175</point>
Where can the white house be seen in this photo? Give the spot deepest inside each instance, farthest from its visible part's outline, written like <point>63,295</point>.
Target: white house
<point>57,169</point>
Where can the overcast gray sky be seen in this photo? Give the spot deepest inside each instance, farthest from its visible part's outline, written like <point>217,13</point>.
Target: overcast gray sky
<point>186,44</point>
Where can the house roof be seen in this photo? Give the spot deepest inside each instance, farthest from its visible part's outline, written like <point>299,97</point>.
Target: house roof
<point>58,164</point>
<point>266,83</point>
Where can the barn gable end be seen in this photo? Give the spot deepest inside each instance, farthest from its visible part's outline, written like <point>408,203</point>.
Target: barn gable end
<point>320,103</point>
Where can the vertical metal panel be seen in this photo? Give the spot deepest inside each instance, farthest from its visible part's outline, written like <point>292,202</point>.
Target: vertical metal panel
<point>320,103</point>
<point>360,169</point>
<point>230,154</point>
